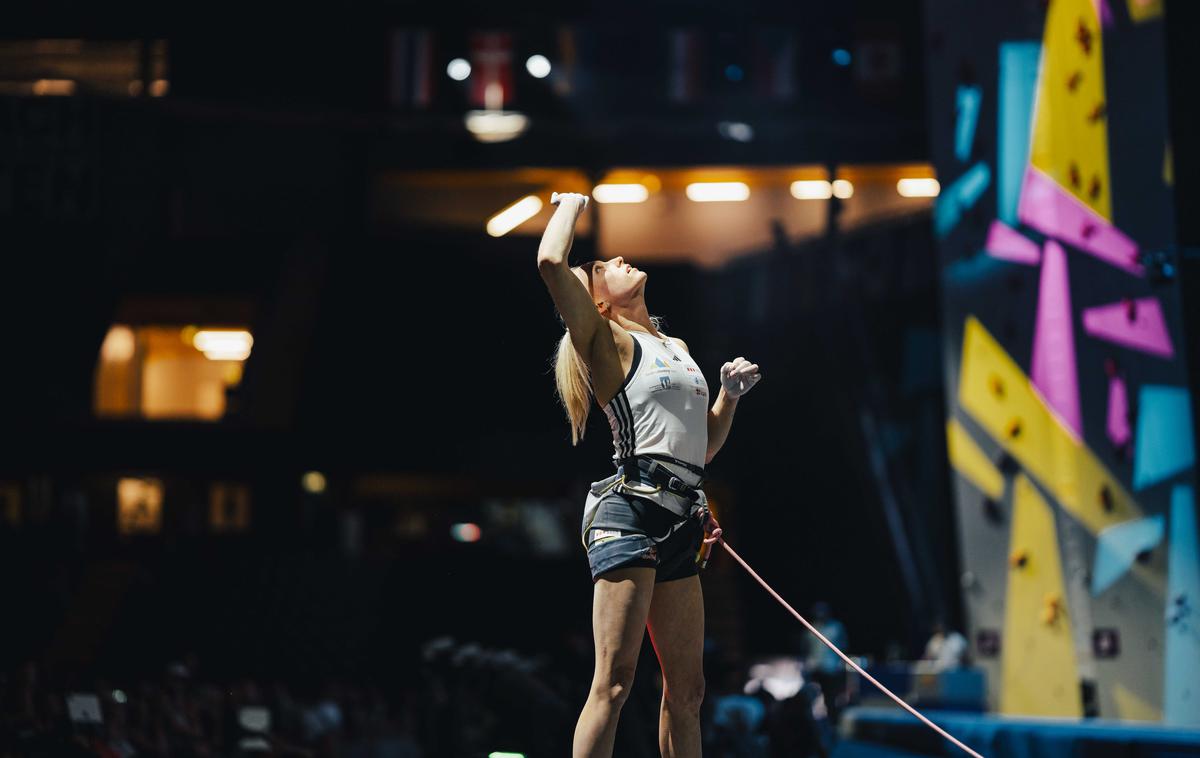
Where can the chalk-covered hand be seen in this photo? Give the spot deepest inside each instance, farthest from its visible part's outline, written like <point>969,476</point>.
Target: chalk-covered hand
<point>570,199</point>
<point>739,376</point>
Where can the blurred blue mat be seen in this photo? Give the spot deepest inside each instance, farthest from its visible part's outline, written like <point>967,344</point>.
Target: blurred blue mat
<point>872,730</point>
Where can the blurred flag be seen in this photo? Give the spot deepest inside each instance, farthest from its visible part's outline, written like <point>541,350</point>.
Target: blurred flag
<point>683,83</point>
<point>775,64</point>
<point>491,70</point>
<point>410,83</point>
<point>564,71</point>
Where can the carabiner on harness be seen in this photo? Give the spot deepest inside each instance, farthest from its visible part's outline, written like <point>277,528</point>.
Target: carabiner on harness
<point>712,535</point>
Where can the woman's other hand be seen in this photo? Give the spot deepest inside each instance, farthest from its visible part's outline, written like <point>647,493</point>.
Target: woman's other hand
<point>739,376</point>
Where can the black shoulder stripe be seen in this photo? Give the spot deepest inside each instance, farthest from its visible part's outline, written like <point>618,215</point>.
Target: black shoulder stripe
<point>633,367</point>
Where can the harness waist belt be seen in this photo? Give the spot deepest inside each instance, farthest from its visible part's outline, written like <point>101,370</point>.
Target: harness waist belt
<point>648,469</point>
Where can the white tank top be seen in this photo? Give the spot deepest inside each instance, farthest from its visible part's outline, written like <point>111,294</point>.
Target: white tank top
<point>662,408</point>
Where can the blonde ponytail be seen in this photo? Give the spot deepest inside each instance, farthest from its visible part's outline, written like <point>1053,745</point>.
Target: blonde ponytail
<point>574,383</point>
<point>574,386</point>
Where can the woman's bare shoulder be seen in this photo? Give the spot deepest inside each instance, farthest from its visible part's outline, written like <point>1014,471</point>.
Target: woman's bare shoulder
<point>679,342</point>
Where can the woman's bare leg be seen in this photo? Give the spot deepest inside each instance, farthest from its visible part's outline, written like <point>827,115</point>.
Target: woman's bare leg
<point>620,602</point>
<point>677,631</point>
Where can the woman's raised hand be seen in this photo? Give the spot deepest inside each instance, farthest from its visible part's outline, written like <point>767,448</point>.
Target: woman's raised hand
<point>560,232</point>
<point>570,200</point>
<point>739,376</point>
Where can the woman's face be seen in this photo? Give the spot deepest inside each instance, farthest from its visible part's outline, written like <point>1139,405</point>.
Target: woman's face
<point>613,281</point>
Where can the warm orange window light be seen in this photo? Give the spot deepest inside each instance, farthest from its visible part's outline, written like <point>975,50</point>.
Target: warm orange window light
<point>60,87</point>
<point>139,506</point>
<point>168,371</point>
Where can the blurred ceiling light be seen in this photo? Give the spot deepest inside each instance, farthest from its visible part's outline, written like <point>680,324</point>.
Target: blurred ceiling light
<point>620,193</point>
<point>458,69</point>
<point>159,87</point>
<point>841,56</point>
<point>496,126</point>
<point>734,72</point>
<point>736,131</point>
<point>118,345</point>
<point>466,532</point>
<point>224,344</point>
<point>717,192</point>
<point>313,482</point>
<point>538,66</point>
<point>813,189</point>
<point>514,215</point>
<point>135,87</point>
<point>918,187</point>
<point>58,87</point>
<point>842,189</point>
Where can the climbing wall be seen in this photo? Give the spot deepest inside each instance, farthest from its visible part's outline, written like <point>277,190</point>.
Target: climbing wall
<point>1069,423</point>
<point>1041,673</point>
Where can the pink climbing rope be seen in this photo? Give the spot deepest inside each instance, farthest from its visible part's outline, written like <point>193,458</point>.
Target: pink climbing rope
<point>714,536</point>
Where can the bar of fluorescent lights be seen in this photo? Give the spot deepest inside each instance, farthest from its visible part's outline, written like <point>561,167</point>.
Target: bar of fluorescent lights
<point>620,193</point>
<point>814,189</point>
<point>514,215</point>
<point>224,345</point>
<point>918,187</point>
<point>717,192</point>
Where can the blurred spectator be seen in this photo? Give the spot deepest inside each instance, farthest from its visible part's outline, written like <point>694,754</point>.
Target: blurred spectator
<point>822,664</point>
<point>794,730</point>
<point>466,699</point>
<point>946,649</point>
<point>737,719</point>
<point>180,716</point>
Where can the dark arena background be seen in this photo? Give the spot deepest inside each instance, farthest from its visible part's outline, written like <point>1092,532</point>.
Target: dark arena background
<point>282,467</point>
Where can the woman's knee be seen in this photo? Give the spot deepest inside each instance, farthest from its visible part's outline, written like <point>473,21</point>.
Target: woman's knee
<point>612,683</point>
<point>685,696</point>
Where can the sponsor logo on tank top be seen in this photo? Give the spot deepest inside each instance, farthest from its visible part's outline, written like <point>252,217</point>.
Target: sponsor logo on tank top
<point>663,371</point>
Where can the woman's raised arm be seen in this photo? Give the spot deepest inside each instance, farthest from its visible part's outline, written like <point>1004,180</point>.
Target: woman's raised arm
<point>570,296</point>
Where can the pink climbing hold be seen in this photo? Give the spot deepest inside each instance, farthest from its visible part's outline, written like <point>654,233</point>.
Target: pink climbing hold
<point>1008,244</point>
<point>1136,324</point>
<point>1053,369</point>
<point>1053,211</point>
<point>1117,426</point>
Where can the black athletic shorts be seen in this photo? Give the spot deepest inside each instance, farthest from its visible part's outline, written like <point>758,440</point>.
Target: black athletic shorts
<point>623,530</point>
